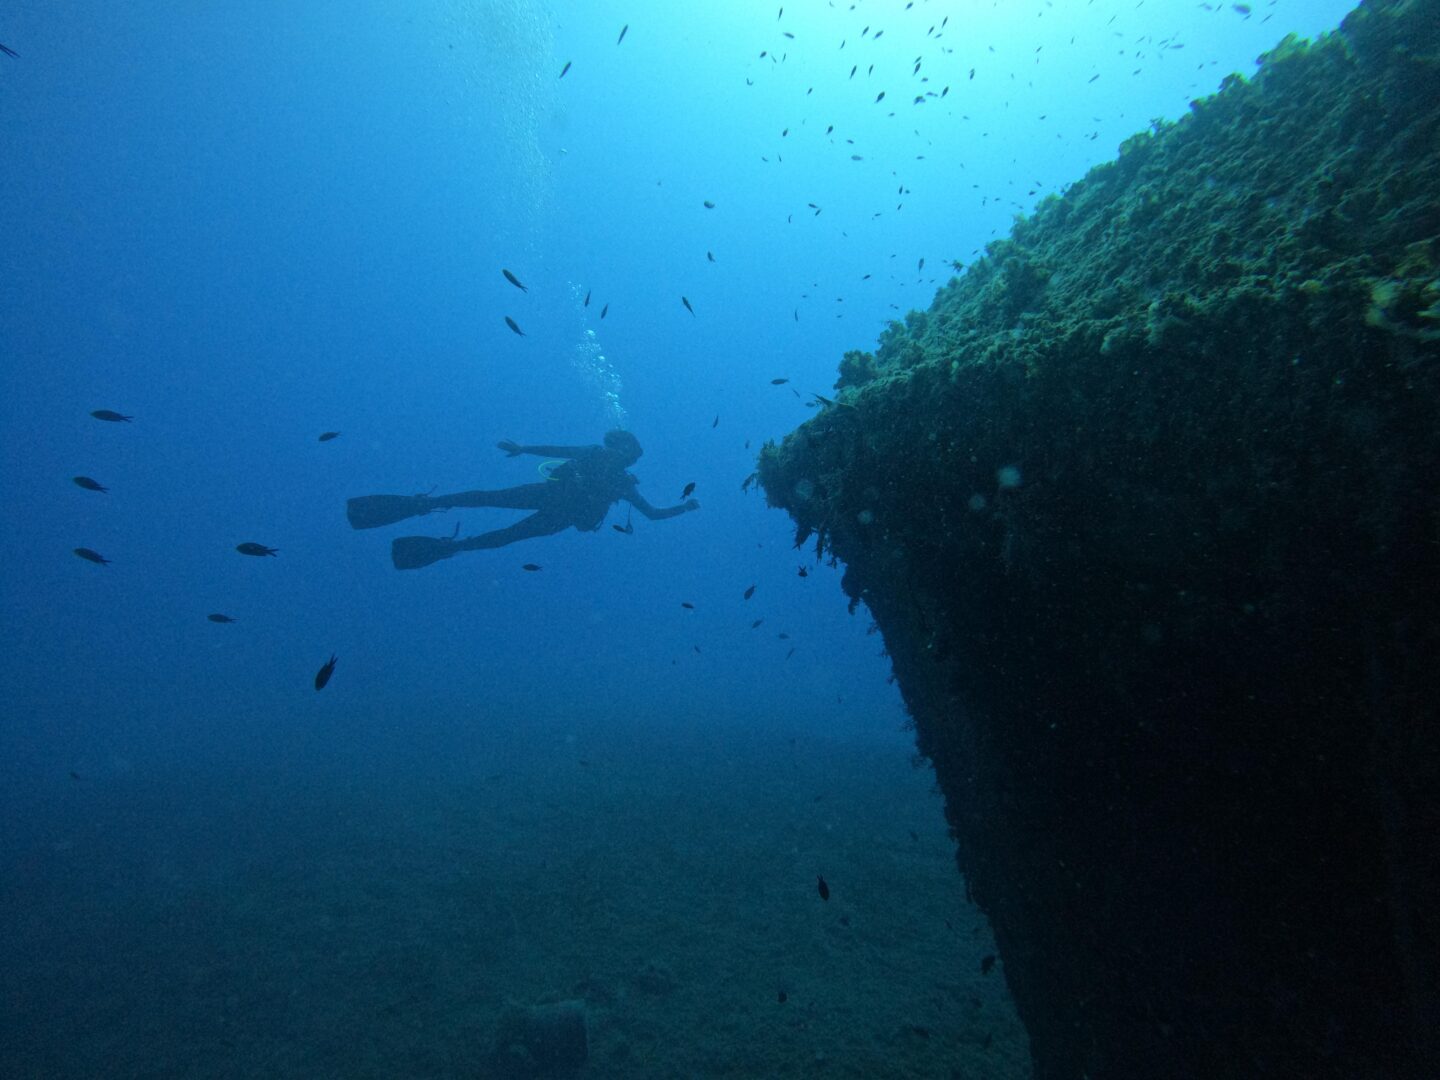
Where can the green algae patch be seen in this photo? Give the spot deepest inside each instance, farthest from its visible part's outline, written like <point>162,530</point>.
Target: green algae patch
<point>1407,302</point>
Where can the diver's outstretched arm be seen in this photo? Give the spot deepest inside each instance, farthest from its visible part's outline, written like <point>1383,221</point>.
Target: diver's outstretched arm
<point>657,513</point>
<point>514,448</point>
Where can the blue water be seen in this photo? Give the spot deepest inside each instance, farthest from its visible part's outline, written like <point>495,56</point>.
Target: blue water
<point>246,225</point>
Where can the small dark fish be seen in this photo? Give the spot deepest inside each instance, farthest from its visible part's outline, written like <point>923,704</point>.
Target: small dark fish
<point>696,648</point>
<point>880,97</point>
<point>93,556</point>
<point>749,592</point>
<point>688,308</point>
<point>778,382</point>
<point>251,548</point>
<point>217,617</point>
<point>783,636</point>
<point>716,422</point>
<point>11,52</point>
<point>987,963</point>
<point>756,624</point>
<point>709,205</point>
<point>688,489</point>
<point>824,889</point>
<point>88,484</point>
<point>803,572</point>
<point>627,528</point>
<point>790,654</point>
<point>921,266</point>
<point>780,996</point>
<point>323,675</point>
<point>604,310</point>
<point>710,255</point>
<point>514,280</point>
<point>328,435</point>
<point>514,326</point>
<point>687,605</point>
<point>587,297</point>
<point>796,313</point>
<point>531,566</point>
<point>564,69</point>
<point>113,417</point>
<point>623,30</point>
<point>73,774</point>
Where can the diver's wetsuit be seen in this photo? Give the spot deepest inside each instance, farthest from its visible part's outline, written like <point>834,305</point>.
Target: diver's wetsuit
<point>578,495</point>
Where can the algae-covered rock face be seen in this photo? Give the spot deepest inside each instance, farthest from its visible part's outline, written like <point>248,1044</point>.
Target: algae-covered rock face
<point>1408,302</point>
<point>1145,507</point>
<point>856,369</point>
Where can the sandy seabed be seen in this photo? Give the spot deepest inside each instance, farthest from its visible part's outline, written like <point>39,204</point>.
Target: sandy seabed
<point>375,918</point>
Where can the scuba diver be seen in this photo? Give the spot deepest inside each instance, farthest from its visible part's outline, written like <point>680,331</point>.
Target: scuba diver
<point>579,493</point>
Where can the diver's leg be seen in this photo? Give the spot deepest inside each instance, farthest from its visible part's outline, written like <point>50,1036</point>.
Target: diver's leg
<point>523,497</point>
<point>413,552</point>
<point>526,528</point>
<point>372,511</point>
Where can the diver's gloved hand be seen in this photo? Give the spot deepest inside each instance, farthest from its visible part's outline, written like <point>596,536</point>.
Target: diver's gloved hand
<point>514,449</point>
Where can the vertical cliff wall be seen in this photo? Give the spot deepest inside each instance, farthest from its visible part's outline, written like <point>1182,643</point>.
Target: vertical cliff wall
<point>1147,507</point>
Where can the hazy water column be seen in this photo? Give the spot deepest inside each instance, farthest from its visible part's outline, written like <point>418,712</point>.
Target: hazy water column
<point>596,371</point>
<point>502,53</point>
<point>507,93</point>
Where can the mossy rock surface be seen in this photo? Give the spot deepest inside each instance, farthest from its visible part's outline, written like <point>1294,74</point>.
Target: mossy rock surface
<point>1146,508</point>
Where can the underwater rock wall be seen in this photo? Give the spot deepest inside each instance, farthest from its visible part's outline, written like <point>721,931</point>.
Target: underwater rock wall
<point>1147,507</point>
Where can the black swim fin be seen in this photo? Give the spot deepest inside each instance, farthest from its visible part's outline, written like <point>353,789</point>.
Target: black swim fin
<point>372,511</point>
<point>413,552</point>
